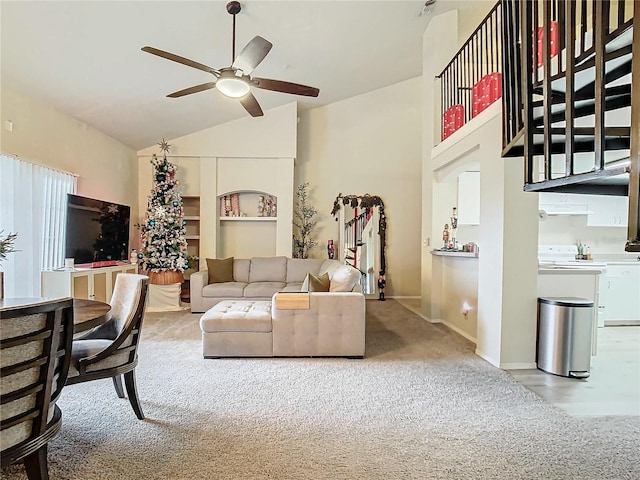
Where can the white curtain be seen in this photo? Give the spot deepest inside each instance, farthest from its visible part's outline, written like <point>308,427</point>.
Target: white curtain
<point>33,203</point>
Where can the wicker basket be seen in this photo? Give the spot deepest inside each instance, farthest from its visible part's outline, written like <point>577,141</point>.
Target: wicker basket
<point>165,278</point>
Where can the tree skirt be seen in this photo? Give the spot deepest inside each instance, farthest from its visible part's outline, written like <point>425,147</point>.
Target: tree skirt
<point>164,298</point>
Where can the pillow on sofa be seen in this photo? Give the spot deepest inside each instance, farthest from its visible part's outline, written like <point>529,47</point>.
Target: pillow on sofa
<point>220,270</point>
<point>344,279</point>
<point>316,283</point>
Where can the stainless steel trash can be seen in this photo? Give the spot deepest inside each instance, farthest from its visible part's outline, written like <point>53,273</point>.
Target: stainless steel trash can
<point>564,336</point>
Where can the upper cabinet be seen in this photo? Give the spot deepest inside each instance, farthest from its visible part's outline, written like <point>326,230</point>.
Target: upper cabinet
<point>608,211</point>
<point>563,203</point>
<point>469,198</point>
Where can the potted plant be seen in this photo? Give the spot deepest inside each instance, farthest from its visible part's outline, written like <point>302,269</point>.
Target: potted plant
<point>7,245</point>
<point>305,223</point>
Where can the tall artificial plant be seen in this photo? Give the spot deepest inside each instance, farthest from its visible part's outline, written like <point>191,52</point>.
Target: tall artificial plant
<point>303,220</point>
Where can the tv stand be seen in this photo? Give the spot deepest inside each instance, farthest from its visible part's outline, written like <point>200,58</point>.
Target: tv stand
<point>94,283</point>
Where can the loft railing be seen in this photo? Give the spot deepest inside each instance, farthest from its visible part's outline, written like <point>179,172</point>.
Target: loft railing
<point>481,55</point>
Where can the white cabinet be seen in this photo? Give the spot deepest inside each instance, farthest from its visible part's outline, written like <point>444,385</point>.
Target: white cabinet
<point>608,211</point>
<point>469,198</point>
<point>623,294</point>
<point>563,203</point>
<point>90,283</point>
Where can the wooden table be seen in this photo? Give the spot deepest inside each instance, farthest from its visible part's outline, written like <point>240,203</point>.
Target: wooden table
<point>86,313</point>
<point>89,313</point>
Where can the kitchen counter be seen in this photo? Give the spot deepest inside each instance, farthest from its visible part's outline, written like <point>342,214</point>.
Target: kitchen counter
<point>453,253</point>
<point>570,270</point>
<point>617,258</point>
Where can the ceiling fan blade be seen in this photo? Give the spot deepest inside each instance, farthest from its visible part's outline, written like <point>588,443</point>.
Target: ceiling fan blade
<point>179,59</point>
<point>285,87</point>
<point>252,54</point>
<point>190,90</point>
<point>251,105</point>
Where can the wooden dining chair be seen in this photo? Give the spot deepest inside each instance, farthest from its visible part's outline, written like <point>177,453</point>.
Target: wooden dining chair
<point>110,350</point>
<point>35,352</point>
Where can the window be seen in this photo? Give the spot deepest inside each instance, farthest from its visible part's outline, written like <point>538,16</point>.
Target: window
<point>33,202</point>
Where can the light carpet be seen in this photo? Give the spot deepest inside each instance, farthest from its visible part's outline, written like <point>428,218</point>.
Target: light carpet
<point>421,405</point>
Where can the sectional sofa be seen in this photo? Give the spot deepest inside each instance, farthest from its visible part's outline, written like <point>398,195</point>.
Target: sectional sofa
<point>265,311</point>
<point>259,278</point>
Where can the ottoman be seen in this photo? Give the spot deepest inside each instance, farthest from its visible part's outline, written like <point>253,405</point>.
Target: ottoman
<point>239,328</point>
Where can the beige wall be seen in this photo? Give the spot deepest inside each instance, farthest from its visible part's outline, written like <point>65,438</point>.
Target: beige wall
<point>106,169</point>
<point>369,144</point>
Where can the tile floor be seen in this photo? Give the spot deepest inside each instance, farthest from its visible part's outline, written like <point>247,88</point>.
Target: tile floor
<point>613,387</point>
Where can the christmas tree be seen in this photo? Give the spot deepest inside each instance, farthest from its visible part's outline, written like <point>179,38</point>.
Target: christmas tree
<point>164,247</point>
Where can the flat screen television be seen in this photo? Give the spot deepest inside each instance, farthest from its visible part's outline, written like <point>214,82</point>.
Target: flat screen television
<point>96,230</point>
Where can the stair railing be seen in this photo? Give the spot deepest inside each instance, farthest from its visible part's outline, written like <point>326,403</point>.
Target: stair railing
<point>559,30</point>
<point>480,55</point>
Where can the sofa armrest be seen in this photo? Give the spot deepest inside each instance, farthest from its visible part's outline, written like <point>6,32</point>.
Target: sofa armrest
<point>197,281</point>
<point>333,326</point>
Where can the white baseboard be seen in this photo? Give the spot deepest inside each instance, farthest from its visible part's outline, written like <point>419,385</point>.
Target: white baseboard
<point>408,297</point>
<point>458,331</point>
<point>518,366</point>
<point>506,366</point>
<point>486,357</point>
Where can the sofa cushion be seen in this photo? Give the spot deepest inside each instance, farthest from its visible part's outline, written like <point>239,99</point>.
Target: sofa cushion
<point>263,289</point>
<point>344,279</point>
<point>237,316</point>
<point>292,287</point>
<point>330,267</point>
<point>220,270</point>
<point>297,268</point>
<point>241,269</point>
<point>225,289</point>
<point>271,269</point>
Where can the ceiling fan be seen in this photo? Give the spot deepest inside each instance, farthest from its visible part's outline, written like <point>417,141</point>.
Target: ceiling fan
<point>235,81</point>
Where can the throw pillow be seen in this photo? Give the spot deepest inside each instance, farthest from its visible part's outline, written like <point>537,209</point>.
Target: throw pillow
<point>316,283</point>
<point>344,279</point>
<point>220,270</point>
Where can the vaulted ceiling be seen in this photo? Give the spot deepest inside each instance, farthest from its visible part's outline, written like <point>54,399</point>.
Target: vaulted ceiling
<point>83,58</point>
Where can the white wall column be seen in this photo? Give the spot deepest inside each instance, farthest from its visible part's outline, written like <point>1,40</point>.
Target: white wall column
<point>439,45</point>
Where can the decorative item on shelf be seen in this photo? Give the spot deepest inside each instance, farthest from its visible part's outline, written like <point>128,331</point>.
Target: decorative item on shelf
<point>261,206</point>
<point>164,247</point>
<point>272,206</point>
<point>454,227</point>
<point>223,210</point>
<point>368,202</point>
<point>331,249</point>
<point>227,205</point>
<point>235,205</point>
<point>134,256</point>
<point>446,236</point>
<point>303,220</point>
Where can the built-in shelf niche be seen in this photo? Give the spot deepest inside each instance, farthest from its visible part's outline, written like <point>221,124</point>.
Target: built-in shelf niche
<point>245,234</point>
<point>248,208</point>
<point>249,236</point>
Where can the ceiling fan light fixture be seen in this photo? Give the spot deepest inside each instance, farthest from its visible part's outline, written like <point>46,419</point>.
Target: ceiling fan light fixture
<point>233,87</point>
